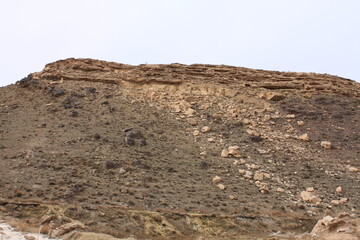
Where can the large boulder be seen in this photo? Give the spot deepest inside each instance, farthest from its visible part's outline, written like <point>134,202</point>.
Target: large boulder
<point>342,227</point>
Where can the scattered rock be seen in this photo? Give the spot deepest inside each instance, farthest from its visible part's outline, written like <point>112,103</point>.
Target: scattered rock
<point>339,202</point>
<point>310,189</point>
<point>272,96</point>
<point>196,133</point>
<point>258,176</point>
<point>304,137</point>
<point>248,175</point>
<point>353,169</point>
<point>190,112</point>
<point>246,121</point>
<point>74,113</point>
<point>90,90</point>
<point>221,186</point>
<point>263,188</point>
<point>325,144</point>
<point>338,189</point>
<point>290,116</point>
<point>280,190</point>
<point>307,196</point>
<point>205,129</point>
<point>232,197</point>
<point>224,153</point>
<point>234,151</point>
<point>57,91</point>
<point>133,136</point>
<point>256,138</point>
<point>192,121</point>
<point>300,123</point>
<point>216,179</point>
<point>204,153</point>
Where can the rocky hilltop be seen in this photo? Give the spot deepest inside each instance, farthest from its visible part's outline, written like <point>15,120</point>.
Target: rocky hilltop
<point>180,152</point>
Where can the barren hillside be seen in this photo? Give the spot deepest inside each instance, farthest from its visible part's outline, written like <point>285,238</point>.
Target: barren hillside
<point>178,151</point>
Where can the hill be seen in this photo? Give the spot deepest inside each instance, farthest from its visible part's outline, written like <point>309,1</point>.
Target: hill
<point>178,151</point>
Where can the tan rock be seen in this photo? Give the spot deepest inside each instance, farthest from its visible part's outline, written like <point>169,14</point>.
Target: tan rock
<point>339,228</point>
<point>196,133</point>
<point>309,197</point>
<point>300,123</point>
<point>216,179</point>
<point>290,116</point>
<point>211,139</point>
<point>253,166</point>
<point>234,151</point>
<point>272,96</point>
<point>232,197</point>
<point>343,200</point>
<point>304,137</point>
<point>192,121</point>
<point>263,188</point>
<point>65,228</point>
<point>204,153</point>
<point>252,132</point>
<point>310,189</point>
<point>246,121</point>
<point>218,115</point>
<point>176,108</point>
<point>280,190</point>
<point>339,202</point>
<point>248,175</point>
<point>242,171</point>
<point>338,189</point>
<point>266,117</point>
<point>221,186</point>
<point>326,144</point>
<point>259,176</point>
<point>190,112</point>
<point>206,129</point>
<point>224,153</point>
<point>353,169</point>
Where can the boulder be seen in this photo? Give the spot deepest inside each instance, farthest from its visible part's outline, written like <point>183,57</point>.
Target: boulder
<point>339,228</point>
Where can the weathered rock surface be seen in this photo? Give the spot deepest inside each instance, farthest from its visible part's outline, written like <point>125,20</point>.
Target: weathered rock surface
<point>342,227</point>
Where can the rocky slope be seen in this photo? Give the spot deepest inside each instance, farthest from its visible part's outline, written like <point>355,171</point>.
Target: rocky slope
<point>178,151</point>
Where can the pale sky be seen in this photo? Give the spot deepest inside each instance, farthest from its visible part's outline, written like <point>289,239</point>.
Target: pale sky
<point>320,36</point>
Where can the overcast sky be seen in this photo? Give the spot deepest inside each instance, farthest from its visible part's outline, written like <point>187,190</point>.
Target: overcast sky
<point>320,36</point>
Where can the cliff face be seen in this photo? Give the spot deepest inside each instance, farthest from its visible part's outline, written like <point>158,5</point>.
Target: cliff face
<point>179,150</point>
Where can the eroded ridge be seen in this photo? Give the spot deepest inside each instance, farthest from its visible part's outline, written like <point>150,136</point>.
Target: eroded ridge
<point>179,74</point>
